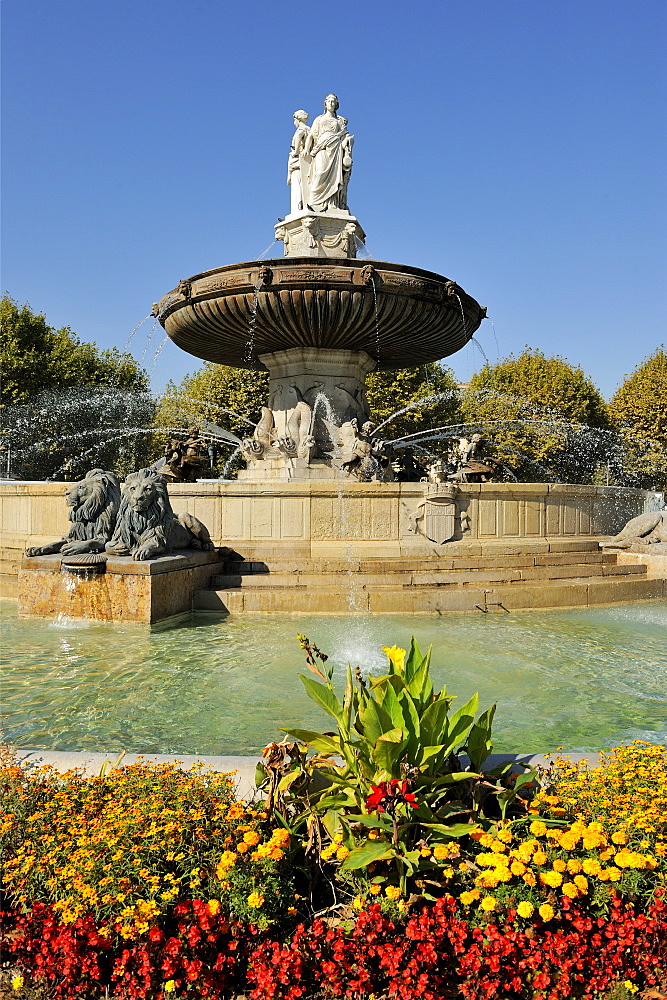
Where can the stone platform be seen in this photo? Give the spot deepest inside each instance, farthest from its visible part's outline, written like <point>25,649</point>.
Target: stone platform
<point>381,547</point>
<point>146,592</point>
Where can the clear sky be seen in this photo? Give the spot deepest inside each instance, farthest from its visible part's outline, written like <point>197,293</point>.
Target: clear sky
<point>517,147</point>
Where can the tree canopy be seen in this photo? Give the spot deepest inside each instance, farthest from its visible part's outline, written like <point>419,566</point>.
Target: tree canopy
<point>36,357</point>
<point>67,406</point>
<point>639,411</point>
<point>538,411</point>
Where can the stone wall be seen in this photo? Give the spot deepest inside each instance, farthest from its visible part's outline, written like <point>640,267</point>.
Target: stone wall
<point>326,519</point>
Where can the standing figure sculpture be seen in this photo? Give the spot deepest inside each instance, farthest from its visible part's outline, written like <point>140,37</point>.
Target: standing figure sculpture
<point>297,164</point>
<point>330,146</point>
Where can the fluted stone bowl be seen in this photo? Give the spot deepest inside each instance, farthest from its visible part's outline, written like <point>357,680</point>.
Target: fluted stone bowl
<point>399,315</point>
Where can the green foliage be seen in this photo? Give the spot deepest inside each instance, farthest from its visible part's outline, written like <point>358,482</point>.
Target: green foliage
<point>67,407</point>
<point>390,778</point>
<point>34,357</point>
<point>390,391</point>
<point>639,410</point>
<point>556,403</point>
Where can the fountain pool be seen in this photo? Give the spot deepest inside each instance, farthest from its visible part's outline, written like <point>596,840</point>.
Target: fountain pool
<point>581,679</point>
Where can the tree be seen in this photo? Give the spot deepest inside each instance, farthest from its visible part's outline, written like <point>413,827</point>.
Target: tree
<point>639,411</point>
<point>391,391</point>
<point>66,405</point>
<point>34,356</point>
<point>545,417</point>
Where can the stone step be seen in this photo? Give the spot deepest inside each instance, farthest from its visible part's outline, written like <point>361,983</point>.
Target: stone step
<point>574,592</point>
<point>389,565</point>
<point>433,576</point>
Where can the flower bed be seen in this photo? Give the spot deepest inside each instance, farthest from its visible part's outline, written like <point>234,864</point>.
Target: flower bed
<point>383,862</point>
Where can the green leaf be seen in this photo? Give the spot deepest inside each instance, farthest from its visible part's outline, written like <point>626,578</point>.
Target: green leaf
<point>421,687</point>
<point>288,779</point>
<point>412,660</point>
<point>260,774</point>
<point>479,743</point>
<point>323,696</point>
<point>434,722</point>
<point>375,822</point>
<point>320,741</point>
<point>454,831</point>
<point>374,721</point>
<point>461,721</point>
<point>366,854</point>
<point>388,749</point>
<point>392,706</point>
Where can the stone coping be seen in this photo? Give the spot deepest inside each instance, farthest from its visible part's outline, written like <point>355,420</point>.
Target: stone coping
<point>92,762</point>
<point>126,565</point>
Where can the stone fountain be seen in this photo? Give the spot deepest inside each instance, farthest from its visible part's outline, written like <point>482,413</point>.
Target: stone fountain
<point>314,522</point>
<point>318,319</point>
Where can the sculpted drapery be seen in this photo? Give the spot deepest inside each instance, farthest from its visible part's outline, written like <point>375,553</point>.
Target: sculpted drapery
<point>329,145</point>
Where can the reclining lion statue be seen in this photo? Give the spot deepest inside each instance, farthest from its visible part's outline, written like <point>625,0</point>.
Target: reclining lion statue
<point>646,529</point>
<point>93,507</point>
<point>147,527</point>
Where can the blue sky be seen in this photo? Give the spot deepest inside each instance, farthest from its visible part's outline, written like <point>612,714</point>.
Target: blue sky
<point>517,147</point>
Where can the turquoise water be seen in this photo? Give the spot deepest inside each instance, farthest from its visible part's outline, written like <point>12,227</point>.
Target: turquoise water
<point>580,679</point>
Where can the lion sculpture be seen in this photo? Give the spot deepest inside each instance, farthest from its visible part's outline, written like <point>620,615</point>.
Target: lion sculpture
<point>646,529</point>
<point>147,527</point>
<point>93,507</point>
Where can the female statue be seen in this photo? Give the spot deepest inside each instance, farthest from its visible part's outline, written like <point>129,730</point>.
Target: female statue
<point>295,165</point>
<point>330,146</point>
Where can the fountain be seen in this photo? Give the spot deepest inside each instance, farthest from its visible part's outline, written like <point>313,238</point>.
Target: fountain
<point>316,521</point>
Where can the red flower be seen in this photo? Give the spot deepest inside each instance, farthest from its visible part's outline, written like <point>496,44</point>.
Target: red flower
<point>386,796</point>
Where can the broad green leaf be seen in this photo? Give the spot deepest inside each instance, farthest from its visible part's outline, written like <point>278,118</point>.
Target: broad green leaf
<point>375,822</point>
<point>392,706</point>
<point>461,721</point>
<point>434,722</point>
<point>374,721</point>
<point>428,752</point>
<point>479,743</point>
<point>412,660</point>
<point>321,742</point>
<point>260,774</point>
<point>348,701</point>
<point>288,779</point>
<point>366,854</point>
<point>323,696</point>
<point>455,830</point>
<point>421,687</point>
<point>388,749</point>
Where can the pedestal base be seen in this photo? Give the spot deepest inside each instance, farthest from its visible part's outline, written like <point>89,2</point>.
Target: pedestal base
<point>334,233</point>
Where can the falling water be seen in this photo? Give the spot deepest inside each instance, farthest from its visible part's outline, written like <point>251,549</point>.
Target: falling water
<point>437,397</point>
<point>377,325</point>
<point>250,347</point>
<point>131,337</point>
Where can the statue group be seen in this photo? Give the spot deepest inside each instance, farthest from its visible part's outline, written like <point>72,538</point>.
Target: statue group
<point>320,161</point>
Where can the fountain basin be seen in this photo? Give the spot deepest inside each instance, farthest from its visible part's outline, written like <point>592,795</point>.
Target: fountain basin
<point>397,314</point>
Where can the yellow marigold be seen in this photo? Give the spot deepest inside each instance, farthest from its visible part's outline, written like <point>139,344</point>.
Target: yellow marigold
<point>392,892</point>
<point>375,889</point>
<point>581,883</point>
<point>292,911</point>
<point>242,848</point>
<point>525,909</point>
<point>357,903</point>
<point>342,852</point>
<point>574,865</point>
<point>17,982</point>
<point>440,852</point>
<point>529,878</point>
<point>546,911</point>
<point>251,838</point>
<point>538,828</point>
<point>255,900</point>
<point>425,852</point>
<point>277,853</point>
<point>488,903</point>
<point>497,846</point>
<point>619,837</point>
<point>591,866</point>
<point>553,879</point>
<point>517,868</point>
<point>213,907</point>
<point>227,859</point>
<point>487,880</point>
<point>328,852</point>
<point>539,858</point>
<point>170,986</point>
<point>505,835</point>
<point>570,889</point>
<point>470,896</point>
<point>486,840</point>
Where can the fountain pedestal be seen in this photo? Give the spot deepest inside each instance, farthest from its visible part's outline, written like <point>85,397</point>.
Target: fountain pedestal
<point>334,233</point>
